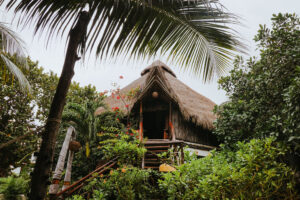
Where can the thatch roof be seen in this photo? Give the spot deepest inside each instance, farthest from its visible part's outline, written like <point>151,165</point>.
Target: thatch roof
<point>193,106</point>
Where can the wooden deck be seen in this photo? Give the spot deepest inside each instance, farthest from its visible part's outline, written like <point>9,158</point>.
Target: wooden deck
<point>178,142</point>
<point>156,146</point>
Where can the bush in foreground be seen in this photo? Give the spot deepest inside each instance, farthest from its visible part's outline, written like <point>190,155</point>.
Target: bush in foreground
<point>253,171</point>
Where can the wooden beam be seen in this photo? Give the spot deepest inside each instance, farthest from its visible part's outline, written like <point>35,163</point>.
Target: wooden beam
<point>141,122</point>
<point>172,131</point>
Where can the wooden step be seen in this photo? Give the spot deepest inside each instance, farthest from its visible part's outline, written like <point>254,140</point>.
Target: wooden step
<point>150,167</point>
<point>159,150</point>
<point>152,162</point>
<point>157,147</point>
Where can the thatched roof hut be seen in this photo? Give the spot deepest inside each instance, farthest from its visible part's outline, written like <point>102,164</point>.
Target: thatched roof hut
<point>192,107</point>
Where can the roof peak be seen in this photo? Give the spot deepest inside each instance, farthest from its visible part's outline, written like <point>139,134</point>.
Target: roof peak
<point>159,64</point>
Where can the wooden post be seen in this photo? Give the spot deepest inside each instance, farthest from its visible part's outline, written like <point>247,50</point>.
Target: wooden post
<point>170,123</point>
<point>172,155</point>
<point>141,136</point>
<point>182,154</point>
<point>176,155</point>
<point>141,122</point>
<point>54,187</point>
<point>67,180</point>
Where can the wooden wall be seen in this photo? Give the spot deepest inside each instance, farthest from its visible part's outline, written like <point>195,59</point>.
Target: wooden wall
<point>189,132</point>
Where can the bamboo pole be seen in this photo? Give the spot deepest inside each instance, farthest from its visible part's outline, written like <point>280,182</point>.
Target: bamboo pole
<point>67,180</point>
<point>54,187</point>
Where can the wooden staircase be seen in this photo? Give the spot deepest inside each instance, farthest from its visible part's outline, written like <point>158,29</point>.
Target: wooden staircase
<point>80,183</point>
<point>157,146</point>
<point>151,160</point>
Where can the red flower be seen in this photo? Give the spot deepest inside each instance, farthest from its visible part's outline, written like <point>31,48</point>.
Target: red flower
<point>126,105</point>
<point>116,109</point>
<point>127,133</point>
<point>118,119</point>
<point>121,77</point>
<point>131,134</point>
<point>117,135</point>
<point>118,97</point>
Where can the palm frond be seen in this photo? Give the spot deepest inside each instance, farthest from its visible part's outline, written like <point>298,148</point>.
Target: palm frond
<point>23,82</point>
<point>12,44</point>
<point>77,108</point>
<point>195,34</point>
<point>75,119</point>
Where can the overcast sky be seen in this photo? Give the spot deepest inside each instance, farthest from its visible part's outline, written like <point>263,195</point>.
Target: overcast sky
<point>102,74</point>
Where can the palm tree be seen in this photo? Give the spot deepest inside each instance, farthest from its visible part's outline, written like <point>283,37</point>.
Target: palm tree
<point>11,44</point>
<point>82,117</point>
<point>193,33</point>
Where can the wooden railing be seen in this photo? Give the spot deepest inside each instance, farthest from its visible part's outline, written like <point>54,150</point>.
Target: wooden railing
<point>177,146</point>
<point>80,183</point>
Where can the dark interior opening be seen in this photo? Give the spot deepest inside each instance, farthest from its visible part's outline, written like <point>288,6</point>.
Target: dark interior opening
<point>154,124</point>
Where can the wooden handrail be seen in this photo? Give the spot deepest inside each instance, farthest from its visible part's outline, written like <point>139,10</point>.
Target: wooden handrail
<point>99,170</point>
<point>162,142</point>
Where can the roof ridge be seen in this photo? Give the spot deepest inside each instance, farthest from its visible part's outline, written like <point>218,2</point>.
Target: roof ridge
<point>159,64</point>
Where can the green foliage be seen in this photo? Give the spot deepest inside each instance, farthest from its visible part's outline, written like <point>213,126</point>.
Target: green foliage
<point>253,171</point>
<point>11,187</point>
<point>21,114</point>
<point>82,117</point>
<point>12,58</point>
<point>264,94</point>
<point>196,34</point>
<point>16,119</point>
<point>189,156</point>
<point>127,183</point>
<point>126,147</point>
<point>112,140</point>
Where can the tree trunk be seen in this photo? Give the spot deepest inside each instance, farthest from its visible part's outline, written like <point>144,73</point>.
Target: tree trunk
<point>43,166</point>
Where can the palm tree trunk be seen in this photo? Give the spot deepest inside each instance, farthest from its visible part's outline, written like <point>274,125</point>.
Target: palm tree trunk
<point>43,166</point>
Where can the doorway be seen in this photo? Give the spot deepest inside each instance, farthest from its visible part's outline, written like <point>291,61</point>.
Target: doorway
<point>154,124</point>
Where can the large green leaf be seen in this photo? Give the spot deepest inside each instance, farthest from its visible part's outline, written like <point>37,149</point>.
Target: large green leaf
<point>195,34</point>
<point>23,82</point>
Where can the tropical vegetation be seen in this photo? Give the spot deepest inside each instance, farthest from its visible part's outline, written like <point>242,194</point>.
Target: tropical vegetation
<point>22,117</point>
<point>258,127</point>
<point>12,45</point>
<point>264,92</point>
<point>134,28</point>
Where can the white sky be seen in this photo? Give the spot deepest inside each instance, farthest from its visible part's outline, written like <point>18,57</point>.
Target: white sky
<point>102,74</point>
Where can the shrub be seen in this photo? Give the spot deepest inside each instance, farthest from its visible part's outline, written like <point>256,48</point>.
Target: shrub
<point>253,171</point>
<point>11,187</point>
<point>264,93</point>
<point>128,183</point>
<point>125,146</point>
